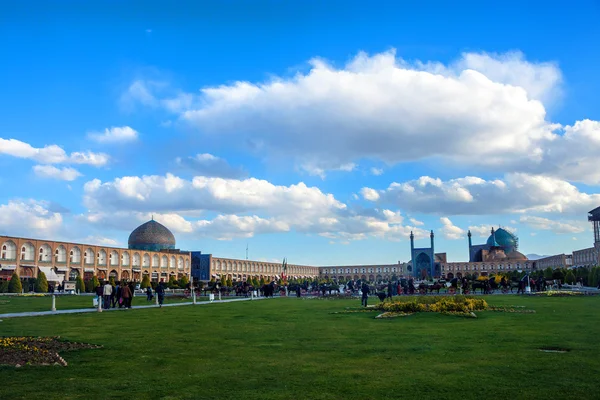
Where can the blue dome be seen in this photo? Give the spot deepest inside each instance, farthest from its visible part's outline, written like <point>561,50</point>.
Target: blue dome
<point>151,236</point>
<point>505,239</point>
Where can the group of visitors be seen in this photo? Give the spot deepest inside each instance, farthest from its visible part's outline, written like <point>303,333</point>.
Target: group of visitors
<point>120,294</point>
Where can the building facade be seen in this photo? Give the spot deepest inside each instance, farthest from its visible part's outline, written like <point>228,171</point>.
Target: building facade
<point>65,261</point>
<point>371,273</point>
<point>556,261</point>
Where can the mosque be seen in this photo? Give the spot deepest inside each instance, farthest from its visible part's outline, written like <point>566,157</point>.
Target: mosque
<point>152,251</point>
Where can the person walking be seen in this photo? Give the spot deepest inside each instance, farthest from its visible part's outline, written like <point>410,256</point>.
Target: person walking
<point>99,289</point>
<point>114,297</point>
<point>160,292</point>
<point>390,290</point>
<point>132,291</point>
<point>365,294</point>
<point>107,292</point>
<point>126,295</point>
<point>149,295</point>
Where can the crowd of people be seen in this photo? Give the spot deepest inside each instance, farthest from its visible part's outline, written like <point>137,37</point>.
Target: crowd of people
<point>120,295</point>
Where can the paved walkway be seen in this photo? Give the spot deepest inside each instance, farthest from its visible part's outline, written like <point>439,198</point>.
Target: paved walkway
<point>91,310</point>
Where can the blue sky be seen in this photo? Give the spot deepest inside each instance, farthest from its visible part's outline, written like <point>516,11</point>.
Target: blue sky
<point>323,132</point>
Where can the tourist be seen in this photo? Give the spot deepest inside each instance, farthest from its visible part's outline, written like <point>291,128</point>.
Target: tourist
<point>98,289</point>
<point>390,290</point>
<point>113,296</point>
<point>118,295</point>
<point>107,292</point>
<point>149,295</point>
<point>298,291</point>
<point>160,292</point>
<point>126,296</point>
<point>365,294</point>
<point>132,291</point>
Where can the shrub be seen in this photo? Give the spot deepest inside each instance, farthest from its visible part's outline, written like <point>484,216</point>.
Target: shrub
<point>184,281</point>
<point>145,282</point>
<point>569,277</point>
<point>14,286</point>
<point>79,285</point>
<point>41,283</point>
<point>3,286</point>
<point>95,282</point>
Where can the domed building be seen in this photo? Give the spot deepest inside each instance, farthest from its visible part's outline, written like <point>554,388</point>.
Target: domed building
<point>151,236</point>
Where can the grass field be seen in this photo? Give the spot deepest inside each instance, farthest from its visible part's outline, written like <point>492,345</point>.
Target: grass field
<point>14,304</point>
<point>295,349</point>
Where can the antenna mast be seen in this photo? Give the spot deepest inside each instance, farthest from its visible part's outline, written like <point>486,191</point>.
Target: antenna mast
<point>246,251</point>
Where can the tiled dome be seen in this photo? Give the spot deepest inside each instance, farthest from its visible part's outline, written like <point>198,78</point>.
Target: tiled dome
<point>151,236</point>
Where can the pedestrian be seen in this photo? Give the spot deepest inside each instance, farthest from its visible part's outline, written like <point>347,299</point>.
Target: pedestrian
<point>119,295</point>
<point>149,295</point>
<point>298,291</point>
<point>132,291</point>
<point>390,290</point>
<point>160,292</point>
<point>365,294</point>
<point>107,292</point>
<point>114,298</point>
<point>126,295</point>
<point>99,289</point>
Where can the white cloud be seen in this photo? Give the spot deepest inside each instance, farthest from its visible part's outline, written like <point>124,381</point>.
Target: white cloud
<point>28,217</point>
<point>382,107</point>
<point>50,171</point>
<point>115,134</point>
<point>416,222</point>
<point>209,165</point>
<point>516,193</point>
<point>376,171</point>
<point>369,194</point>
<point>243,208</point>
<point>558,227</point>
<point>481,230</point>
<point>100,240</point>
<point>51,154</point>
<point>451,231</point>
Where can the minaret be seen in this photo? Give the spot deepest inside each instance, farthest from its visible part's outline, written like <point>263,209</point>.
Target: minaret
<point>412,251</point>
<point>470,245</point>
<point>432,255</point>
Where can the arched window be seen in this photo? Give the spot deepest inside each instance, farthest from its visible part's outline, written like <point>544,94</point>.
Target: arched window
<point>27,252</point>
<point>75,255</point>
<point>146,260</point>
<point>114,258</point>
<point>155,260</point>
<point>180,263</point>
<point>164,262</point>
<point>89,256</point>
<point>125,258</point>
<point>61,254</point>
<point>9,250</point>
<point>102,257</point>
<point>187,263</point>
<point>136,260</point>
<point>45,253</point>
<point>172,262</point>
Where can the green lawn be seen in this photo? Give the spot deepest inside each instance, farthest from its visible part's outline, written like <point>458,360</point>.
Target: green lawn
<point>12,304</point>
<point>295,349</point>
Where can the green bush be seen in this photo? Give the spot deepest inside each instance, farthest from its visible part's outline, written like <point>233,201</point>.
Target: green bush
<point>14,286</point>
<point>184,281</point>
<point>111,280</point>
<point>41,283</point>
<point>145,282</point>
<point>570,278</point>
<point>79,285</point>
<point>3,286</point>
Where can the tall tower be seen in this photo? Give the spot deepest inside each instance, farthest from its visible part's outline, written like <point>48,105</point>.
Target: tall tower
<point>432,268</point>
<point>470,246</point>
<point>412,251</point>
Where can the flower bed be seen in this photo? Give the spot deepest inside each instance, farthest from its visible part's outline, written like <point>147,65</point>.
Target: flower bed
<point>20,351</point>
<point>460,304</point>
<point>559,293</point>
<point>393,314</point>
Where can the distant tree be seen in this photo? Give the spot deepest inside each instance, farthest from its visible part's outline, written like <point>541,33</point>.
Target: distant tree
<point>558,274</point>
<point>111,280</point>
<point>570,277</point>
<point>14,286</point>
<point>262,281</point>
<point>184,281</point>
<point>79,285</point>
<point>41,283</point>
<point>95,282</point>
<point>172,284</point>
<point>3,286</point>
<point>255,281</point>
<point>228,282</point>
<point>145,281</point>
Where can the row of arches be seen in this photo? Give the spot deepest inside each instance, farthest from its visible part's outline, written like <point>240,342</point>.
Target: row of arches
<point>221,266</point>
<point>27,253</point>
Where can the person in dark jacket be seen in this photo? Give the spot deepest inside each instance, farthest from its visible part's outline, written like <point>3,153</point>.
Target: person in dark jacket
<point>160,292</point>
<point>390,291</point>
<point>132,291</point>
<point>149,295</point>
<point>365,294</point>
<point>126,295</point>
